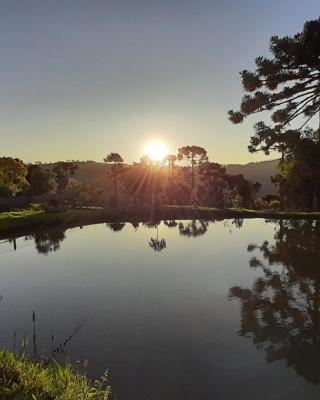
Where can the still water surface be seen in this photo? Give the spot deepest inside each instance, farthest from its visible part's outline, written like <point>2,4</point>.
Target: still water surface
<point>182,310</point>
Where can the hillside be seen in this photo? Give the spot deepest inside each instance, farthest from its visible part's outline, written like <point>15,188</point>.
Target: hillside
<point>97,173</point>
<point>257,172</point>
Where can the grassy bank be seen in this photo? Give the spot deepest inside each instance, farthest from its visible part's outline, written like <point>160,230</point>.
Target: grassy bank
<point>202,212</point>
<point>24,222</point>
<point>21,379</point>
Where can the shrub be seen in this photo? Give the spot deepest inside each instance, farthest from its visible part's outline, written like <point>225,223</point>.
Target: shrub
<point>274,205</point>
<point>36,207</point>
<point>261,204</point>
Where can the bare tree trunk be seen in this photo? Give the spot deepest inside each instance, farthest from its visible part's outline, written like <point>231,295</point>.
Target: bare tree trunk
<point>115,184</point>
<point>192,171</point>
<point>281,186</point>
<point>115,190</point>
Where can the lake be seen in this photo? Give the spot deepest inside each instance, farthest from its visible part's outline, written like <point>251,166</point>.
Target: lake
<point>177,310</point>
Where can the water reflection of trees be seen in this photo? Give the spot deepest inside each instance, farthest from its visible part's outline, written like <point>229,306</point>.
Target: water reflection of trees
<point>116,226</point>
<point>46,242</point>
<point>193,228</point>
<point>281,311</point>
<point>155,243</point>
<point>171,223</point>
<point>50,241</point>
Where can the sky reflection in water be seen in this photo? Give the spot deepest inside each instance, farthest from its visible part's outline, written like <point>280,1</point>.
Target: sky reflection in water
<point>176,310</point>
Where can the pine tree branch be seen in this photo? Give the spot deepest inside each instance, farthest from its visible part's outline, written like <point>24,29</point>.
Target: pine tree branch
<point>311,116</point>
<point>288,99</point>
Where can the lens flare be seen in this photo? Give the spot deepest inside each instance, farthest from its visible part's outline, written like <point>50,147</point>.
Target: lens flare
<point>157,151</point>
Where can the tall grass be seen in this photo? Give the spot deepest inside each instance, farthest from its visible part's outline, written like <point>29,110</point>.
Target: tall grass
<point>22,378</point>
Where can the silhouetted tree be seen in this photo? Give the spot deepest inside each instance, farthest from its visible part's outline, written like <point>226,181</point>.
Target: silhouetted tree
<point>213,175</point>
<point>171,159</point>
<point>287,85</point>
<point>196,155</point>
<point>299,171</point>
<point>117,160</point>
<point>223,189</point>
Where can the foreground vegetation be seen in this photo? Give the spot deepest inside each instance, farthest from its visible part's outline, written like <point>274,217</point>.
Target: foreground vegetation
<point>27,221</point>
<point>22,378</point>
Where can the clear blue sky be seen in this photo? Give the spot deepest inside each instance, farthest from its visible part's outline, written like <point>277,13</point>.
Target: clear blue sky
<point>81,78</point>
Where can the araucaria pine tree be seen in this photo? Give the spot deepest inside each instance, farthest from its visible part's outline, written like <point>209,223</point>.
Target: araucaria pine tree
<point>288,86</point>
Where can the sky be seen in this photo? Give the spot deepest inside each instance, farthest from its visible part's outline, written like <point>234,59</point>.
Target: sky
<point>82,78</point>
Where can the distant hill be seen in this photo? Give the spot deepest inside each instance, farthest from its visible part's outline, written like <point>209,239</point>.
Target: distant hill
<point>257,172</point>
<point>87,172</point>
<point>90,172</point>
<point>97,173</point>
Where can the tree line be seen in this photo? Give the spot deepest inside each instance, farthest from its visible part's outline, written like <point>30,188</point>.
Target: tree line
<point>33,179</point>
<point>197,181</point>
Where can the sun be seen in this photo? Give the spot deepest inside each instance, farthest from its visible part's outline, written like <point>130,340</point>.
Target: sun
<point>157,151</point>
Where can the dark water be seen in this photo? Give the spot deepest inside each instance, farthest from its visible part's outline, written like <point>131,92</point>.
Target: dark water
<point>186,310</point>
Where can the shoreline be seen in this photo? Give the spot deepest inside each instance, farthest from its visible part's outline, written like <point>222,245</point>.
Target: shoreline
<point>19,223</point>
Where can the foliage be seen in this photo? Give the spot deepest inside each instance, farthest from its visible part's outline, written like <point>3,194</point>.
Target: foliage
<point>117,160</point>
<point>145,184</point>
<point>299,173</point>
<point>41,180</point>
<point>224,190</point>
<point>22,378</point>
<point>213,174</point>
<point>196,155</point>
<point>171,159</point>
<point>286,84</point>
<point>262,204</point>
<point>12,176</point>
<point>63,170</point>
<point>113,158</point>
